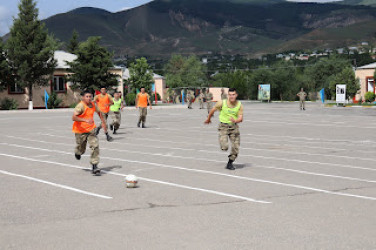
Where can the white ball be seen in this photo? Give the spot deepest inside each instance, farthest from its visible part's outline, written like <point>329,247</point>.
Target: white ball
<point>131,181</point>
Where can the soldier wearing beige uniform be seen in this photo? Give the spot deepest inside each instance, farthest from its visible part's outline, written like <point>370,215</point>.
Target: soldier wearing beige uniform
<point>302,97</point>
<point>231,113</point>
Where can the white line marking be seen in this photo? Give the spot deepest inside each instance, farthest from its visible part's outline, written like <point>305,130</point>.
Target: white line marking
<point>209,160</point>
<point>55,185</point>
<point>212,173</point>
<point>145,179</point>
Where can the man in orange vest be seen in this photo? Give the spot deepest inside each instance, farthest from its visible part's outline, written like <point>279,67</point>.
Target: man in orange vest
<point>84,129</point>
<point>104,101</point>
<point>142,101</point>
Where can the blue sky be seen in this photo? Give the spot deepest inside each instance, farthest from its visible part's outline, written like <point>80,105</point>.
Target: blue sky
<point>9,8</point>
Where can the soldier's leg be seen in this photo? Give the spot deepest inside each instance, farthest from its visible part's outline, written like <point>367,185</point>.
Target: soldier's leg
<point>94,146</point>
<point>223,136</point>
<point>300,105</point>
<point>234,136</point>
<point>81,140</point>
<point>303,105</point>
<point>140,117</point>
<point>117,120</point>
<point>113,118</point>
<point>144,114</point>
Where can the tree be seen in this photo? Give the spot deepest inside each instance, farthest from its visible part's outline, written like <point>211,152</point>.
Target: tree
<point>185,72</point>
<point>284,83</point>
<point>73,43</point>
<point>91,68</point>
<point>4,68</point>
<point>140,75</point>
<point>347,77</point>
<point>30,50</point>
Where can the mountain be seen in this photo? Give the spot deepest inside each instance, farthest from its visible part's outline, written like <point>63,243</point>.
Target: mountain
<point>250,27</point>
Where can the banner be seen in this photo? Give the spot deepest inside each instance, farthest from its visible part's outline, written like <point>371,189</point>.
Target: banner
<point>322,95</point>
<point>340,93</point>
<point>46,96</point>
<point>264,92</point>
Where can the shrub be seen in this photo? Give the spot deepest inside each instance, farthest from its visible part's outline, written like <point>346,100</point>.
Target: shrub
<point>152,97</point>
<point>369,97</point>
<point>130,99</point>
<point>54,101</point>
<point>8,104</point>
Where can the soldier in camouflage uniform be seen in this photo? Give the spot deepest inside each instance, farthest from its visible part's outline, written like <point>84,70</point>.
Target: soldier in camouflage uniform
<point>302,97</point>
<point>209,100</point>
<point>201,99</point>
<point>84,129</point>
<point>223,94</point>
<point>190,98</point>
<point>231,113</point>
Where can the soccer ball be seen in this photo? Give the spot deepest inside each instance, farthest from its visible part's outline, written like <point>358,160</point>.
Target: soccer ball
<point>131,181</point>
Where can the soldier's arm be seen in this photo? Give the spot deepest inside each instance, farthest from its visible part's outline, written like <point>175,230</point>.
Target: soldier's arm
<point>211,113</point>
<point>136,101</point>
<point>104,125</point>
<point>240,116</point>
<point>149,102</point>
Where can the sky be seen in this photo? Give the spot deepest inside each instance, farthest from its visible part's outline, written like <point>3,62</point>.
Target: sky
<point>47,8</point>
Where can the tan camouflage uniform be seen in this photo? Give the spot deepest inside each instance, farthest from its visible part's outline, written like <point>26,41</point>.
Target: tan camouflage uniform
<point>201,100</point>
<point>302,97</point>
<point>92,139</point>
<point>209,99</point>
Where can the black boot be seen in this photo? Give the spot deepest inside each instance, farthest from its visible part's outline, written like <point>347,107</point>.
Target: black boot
<point>78,157</point>
<point>143,125</point>
<point>109,138</point>
<point>230,166</point>
<point>138,124</point>
<point>96,170</point>
<point>97,131</point>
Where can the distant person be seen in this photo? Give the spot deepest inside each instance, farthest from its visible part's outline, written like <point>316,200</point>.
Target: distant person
<point>201,98</point>
<point>115,112</point>
<point>223,94</point>
<point>190,98</point>
<point>84,129</point>
<point>209,100</point>
<point>231,113</point>
<point>302,97</point>
<point>142,101</point>
<point>104,101</point>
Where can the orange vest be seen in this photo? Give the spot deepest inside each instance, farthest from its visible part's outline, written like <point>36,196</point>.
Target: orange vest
<point>142,100</point>
<point>103,103</point>
<point>84,127</point>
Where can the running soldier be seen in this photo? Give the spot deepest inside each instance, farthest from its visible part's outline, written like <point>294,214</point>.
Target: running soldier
<point>142,101</point>
<point>231,113</point>
<point>84,129</point>
<point>104,101</point>
<point>302,97</point>
<point>115,112</point>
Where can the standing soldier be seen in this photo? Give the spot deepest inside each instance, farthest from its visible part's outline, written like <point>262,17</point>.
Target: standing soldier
<point>190,98</point>
<point>201,99</point>
<point>209,100</point>
<point>115,112</point>
<point>231,113</point>
<point>104,101</point>
<point>84,129</point>
<point>174,96</point>
<point>302,97</point>
<point>223,94</point>
<point>142,101</point>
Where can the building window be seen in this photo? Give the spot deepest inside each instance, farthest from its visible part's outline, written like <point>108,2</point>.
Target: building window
<point>370,85</point>
<point>16,89</point>
<point>59,85</point>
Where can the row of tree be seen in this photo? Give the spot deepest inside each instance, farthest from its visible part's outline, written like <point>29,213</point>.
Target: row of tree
<point>285,77</point>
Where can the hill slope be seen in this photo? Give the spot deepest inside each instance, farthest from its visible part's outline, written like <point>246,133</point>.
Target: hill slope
<point>163,27</point>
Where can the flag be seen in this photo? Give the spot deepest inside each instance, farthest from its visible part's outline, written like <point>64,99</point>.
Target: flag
<point>46,96</point>
<point>322,95</point>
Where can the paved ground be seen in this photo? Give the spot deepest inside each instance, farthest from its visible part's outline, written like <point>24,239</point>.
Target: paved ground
<point>305,180</point>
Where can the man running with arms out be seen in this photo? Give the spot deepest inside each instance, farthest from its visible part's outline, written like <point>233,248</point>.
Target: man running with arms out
<point>84,129</point>
<point>104,101</point>
<point>142,101</point>
<point>115,112</point>
<point>231,113</point>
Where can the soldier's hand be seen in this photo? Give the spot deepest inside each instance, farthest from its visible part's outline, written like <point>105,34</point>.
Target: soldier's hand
<point>90,121</point>
<point>208,121</point>
<point>232,120</point>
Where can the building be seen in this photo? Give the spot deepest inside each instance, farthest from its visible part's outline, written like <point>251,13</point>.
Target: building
<point>365,74</point>
<point>58,85</point>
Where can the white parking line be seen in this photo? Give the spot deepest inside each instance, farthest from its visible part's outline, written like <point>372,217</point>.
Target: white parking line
<point>142,178</point>
<point>209,172</point>
<point>55,184</point>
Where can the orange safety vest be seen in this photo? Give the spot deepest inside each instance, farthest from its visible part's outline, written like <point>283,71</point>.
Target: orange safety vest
<point>142,100</point>
<point>103,103</point>
<point>84,127</point>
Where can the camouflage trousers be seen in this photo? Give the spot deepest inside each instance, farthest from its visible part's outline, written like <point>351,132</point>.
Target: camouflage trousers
<point>82,140</point>
<point>209,105</point>
<point>116,119</point>
<point>229,131</point>
<point>302,104</point>
<point>190,101</point>
<point>201,103</point>
<point>105,116</point>
<point>143,113</point>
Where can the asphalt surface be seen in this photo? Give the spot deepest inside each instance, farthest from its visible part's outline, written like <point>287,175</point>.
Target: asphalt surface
<point>304,180</point>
